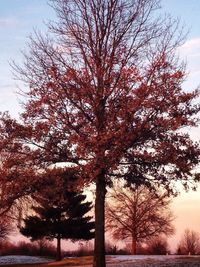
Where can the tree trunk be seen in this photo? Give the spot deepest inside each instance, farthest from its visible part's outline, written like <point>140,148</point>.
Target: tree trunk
<point>58,252</point>
<point>134,246</point>
<point>99,249</point>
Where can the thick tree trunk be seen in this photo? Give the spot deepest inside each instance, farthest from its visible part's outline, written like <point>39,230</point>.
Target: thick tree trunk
<point>58,252</point>
<point>99,250</point>
<point>134,246</point>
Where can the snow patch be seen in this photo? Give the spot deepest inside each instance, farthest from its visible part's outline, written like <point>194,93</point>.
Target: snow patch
<point>142,257</point>
<point>15,259</point>
<point>145,257</point>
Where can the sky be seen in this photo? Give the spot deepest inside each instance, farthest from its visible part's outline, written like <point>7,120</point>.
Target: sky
<point>18,19</point>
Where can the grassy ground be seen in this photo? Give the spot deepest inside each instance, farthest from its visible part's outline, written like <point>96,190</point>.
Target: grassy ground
<point>87,262</point>
<point>81,261</point>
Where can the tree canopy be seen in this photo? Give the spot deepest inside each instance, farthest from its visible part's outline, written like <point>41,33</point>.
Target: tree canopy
<point>104,93</point>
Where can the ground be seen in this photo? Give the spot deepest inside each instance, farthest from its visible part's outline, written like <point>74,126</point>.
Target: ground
<point>112,261</point>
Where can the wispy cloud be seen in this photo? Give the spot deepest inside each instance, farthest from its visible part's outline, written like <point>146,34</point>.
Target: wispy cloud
<point>191,46</point>
<point>8,22</point>
<point>190,52</point>
<point>191,49</point>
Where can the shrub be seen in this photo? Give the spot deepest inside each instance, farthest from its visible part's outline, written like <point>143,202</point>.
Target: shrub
<point>39,248</point>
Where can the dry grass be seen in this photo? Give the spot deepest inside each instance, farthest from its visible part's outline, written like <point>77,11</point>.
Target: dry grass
<point>80,261</point>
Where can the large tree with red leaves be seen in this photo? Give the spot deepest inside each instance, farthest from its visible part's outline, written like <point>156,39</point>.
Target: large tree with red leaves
<point>104,94</point>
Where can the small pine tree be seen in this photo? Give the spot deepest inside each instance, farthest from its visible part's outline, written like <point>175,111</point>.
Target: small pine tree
<point>59,214</point>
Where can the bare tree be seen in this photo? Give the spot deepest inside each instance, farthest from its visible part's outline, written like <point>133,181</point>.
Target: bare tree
<point>138,214</point>
<point>190,243</point>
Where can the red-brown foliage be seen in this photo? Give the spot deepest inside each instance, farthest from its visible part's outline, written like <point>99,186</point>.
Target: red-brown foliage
<point>104,94</point>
